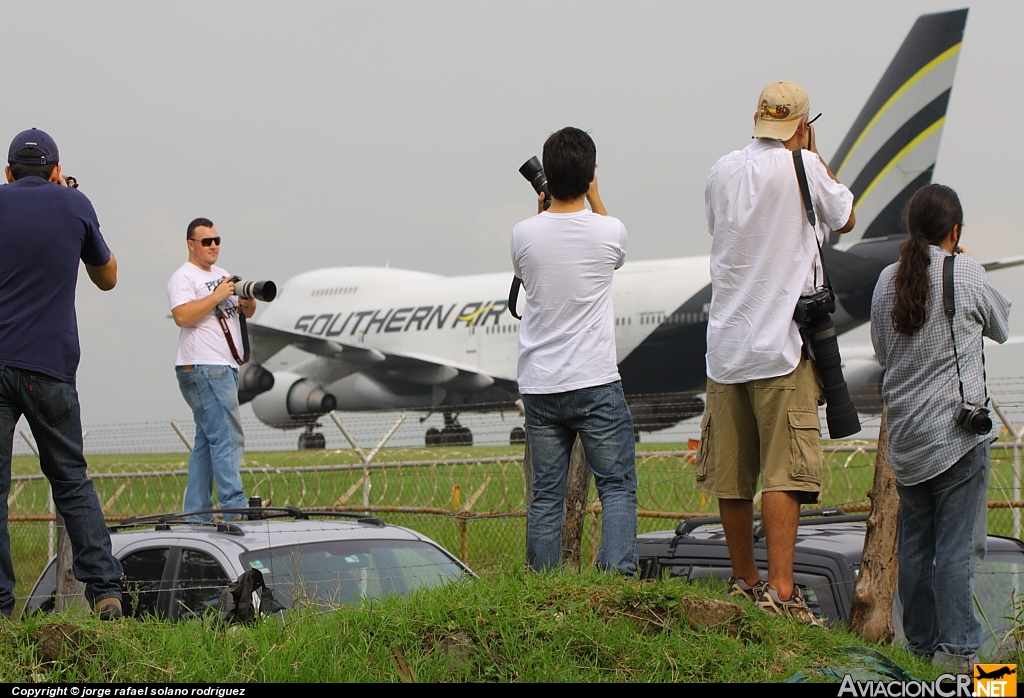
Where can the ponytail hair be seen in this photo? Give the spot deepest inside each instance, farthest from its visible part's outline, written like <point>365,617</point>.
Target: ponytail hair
<point>930,215</point>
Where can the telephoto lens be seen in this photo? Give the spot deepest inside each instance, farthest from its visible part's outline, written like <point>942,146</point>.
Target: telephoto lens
<point>260,290</point>
<point>840,413</point>
<point>533,171</point>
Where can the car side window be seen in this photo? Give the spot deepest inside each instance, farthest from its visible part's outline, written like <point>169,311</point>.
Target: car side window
<point>200,582</point>
<point>143,577</point>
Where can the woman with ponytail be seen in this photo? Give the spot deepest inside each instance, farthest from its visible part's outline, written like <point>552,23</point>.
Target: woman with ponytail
<point>933,366</point>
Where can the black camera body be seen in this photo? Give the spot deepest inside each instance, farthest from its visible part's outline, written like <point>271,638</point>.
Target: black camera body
<point>975,418</point>
<point>815,307</point>
<point>260,290</point>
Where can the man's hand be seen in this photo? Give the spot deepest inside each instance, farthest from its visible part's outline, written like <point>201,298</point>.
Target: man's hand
<point>247,306</point>
<point>594,198</point>
<point>225,289</point>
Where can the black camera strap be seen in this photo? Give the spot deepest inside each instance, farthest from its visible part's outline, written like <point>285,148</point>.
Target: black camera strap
<point>805,195</point>
<point>227,335</point>
<point>513,296</point>
<point>949,308</point>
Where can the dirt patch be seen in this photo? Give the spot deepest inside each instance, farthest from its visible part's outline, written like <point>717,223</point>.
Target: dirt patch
<point>63,642</point>
<point>458,646</point>
<point>710,613</point>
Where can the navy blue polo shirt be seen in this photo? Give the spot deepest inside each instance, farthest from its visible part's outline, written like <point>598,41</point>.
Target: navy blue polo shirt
<point>45,229</point>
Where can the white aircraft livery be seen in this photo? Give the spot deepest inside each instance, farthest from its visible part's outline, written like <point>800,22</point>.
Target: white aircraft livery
<point>381,338</point>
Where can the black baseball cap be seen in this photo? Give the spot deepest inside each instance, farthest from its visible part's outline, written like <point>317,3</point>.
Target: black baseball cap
<point>33,138</point>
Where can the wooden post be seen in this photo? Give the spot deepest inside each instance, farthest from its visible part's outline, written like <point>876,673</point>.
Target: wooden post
<point>871,610</point>
<point>576,487</point>
<point>70,591</point>
<point>528,471</point>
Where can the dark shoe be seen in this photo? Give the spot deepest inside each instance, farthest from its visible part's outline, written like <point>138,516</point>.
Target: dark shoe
<point>795,607</point>
<point>739,589</point>
<point>108,609</point>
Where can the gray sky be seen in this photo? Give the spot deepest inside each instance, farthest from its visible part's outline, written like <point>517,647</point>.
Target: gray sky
<point>343,133</point>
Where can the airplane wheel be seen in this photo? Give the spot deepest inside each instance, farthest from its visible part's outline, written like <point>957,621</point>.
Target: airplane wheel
<point>433,437</point>
<point>456,436</point>
<point>518,436</point>
<point>312,442</point>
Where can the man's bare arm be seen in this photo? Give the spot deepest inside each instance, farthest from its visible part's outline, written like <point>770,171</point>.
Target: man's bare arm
<point>105,277</point>
<point>594,199</point>
<point>192,312</point>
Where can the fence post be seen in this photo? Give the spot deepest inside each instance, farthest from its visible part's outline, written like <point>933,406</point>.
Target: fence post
<point>1017,435</point>
<point>70,592</point>
<point>363,456</point>
<point>576,488</point>
<point>871,610</point>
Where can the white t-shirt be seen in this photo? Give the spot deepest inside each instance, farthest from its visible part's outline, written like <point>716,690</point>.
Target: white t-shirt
<point>567,336</point>
<point>204,342</point>
<point>763,257</point>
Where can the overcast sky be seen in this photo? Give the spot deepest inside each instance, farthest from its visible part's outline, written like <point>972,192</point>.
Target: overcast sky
<point>344,133</point>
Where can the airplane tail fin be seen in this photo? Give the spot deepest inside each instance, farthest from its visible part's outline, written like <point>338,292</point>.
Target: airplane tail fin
<point>891,148</point>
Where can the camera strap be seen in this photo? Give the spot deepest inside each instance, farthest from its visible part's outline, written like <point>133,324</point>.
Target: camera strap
<point>805,195</point>
<point>223,321</point>
<point>949,308</point>
<point>513,296</point>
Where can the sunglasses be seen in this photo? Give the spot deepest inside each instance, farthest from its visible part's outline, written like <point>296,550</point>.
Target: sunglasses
<point>206,242</point>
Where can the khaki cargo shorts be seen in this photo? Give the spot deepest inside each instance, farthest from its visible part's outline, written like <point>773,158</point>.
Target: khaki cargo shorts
<point>767,428</point>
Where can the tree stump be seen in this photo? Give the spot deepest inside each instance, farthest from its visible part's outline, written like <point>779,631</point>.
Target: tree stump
<point>576,488</point>
<point>871,610</point>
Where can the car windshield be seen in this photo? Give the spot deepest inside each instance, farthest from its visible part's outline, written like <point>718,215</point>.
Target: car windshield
<point>332,573</point>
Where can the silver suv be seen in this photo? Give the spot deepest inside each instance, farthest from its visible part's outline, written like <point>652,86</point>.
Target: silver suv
<point>175,567</point>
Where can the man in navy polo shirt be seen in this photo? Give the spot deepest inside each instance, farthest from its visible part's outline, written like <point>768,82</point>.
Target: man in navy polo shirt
<point>46,227</point>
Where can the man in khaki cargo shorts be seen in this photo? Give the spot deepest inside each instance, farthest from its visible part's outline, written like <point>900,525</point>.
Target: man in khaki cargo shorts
<point>762,394</point>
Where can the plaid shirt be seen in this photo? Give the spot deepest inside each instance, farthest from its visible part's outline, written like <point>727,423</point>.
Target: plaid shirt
<point>920,388</point>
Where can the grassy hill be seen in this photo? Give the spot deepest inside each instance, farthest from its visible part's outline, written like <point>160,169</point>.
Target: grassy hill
<point>512,627</point>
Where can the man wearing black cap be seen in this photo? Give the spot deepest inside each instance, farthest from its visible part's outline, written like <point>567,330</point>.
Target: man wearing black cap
<point>46,227</point>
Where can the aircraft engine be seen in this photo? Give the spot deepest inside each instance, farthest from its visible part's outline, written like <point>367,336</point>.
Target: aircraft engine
<point>864,378</point>
<point>293,401</point>
<point>253,379</point>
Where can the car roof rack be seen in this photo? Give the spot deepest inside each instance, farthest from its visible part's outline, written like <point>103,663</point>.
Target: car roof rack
<point>162,522</point>
<point>687,526</point>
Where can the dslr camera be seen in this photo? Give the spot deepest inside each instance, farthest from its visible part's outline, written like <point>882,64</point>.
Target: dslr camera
<point>974,418</point>
<point>533,171</point>
<point>260,290</point>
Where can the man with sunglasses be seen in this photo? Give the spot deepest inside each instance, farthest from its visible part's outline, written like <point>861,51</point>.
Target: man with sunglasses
<point>762,392</point>
<point>204,305</point>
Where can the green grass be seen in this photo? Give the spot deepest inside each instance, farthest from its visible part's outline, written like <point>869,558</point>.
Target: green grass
<point>492,544</point>
<point>513,627</point>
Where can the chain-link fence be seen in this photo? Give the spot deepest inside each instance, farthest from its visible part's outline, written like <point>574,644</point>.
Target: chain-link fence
<point>470,499</point>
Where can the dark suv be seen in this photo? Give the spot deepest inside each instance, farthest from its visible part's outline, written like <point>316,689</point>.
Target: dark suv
<point>827,559</point>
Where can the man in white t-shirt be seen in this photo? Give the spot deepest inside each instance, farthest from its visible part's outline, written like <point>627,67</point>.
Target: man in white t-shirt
<point>762,394</point>
<point>204,305</point>
<point>568,373</point>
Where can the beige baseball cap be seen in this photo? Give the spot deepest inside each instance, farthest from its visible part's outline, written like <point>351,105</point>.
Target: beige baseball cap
<point>779,110</point>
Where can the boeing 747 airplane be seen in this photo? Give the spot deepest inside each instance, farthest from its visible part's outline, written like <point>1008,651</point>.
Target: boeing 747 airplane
<point>381,338</point>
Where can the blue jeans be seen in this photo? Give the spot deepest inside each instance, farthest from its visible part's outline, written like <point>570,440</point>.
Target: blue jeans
<point>212,393</point>
<point>605,427</point>
<point>943,528</point>
<point>51,408</point>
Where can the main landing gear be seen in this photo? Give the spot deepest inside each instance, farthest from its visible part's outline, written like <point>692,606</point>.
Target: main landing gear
<point>453,434</point>
<point>312,441</point>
